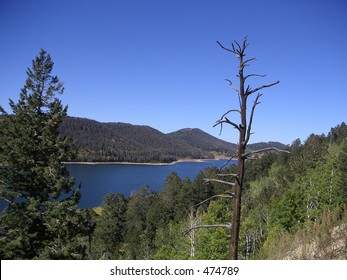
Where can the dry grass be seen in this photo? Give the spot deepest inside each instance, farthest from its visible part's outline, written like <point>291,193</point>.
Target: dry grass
<point>325,239</point>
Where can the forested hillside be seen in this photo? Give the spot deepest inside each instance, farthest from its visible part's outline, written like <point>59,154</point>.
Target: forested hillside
<point>200,139</point>
<point>294,207</point>
<point>122,142</point>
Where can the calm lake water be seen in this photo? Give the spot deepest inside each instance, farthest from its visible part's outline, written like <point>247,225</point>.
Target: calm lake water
<point>99,179</point>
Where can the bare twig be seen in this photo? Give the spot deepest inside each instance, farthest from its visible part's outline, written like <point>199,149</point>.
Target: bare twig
<point>225,120</point>
<point>206,226</point>
<point>233,110</point>
<point>232,86</point>
<point>210,198</point>
<point>219,181</point>
<point>227,175</point>
<point>265,150</point>
<point>233,157</point>
<point>256,102</point>
<point>240,49</point>
<point>229,50</point>
<point>254,75</point>
<point>244,64</point>
<point>259,88</point>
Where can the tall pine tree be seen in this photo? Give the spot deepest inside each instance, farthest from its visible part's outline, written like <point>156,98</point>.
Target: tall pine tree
<point>40,219</point>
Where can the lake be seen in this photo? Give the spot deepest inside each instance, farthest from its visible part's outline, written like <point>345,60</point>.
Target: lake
<point>99,179</point>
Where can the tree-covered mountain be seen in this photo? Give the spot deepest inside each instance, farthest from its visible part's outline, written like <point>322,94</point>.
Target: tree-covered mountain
<point>122,142</point>
<point>197,138</point>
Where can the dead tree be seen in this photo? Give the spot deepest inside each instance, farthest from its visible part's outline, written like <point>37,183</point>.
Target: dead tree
<point>244,128</point>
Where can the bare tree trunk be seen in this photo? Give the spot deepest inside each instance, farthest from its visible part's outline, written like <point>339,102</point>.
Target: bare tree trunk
<point>235,226</point>
<point>241,150</point>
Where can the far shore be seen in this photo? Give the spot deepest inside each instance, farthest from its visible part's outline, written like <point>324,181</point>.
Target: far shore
<point>142,163</point>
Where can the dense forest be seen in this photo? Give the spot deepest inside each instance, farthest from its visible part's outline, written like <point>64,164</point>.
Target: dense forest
<point>122,142</point>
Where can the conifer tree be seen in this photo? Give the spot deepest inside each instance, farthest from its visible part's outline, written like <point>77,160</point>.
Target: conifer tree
<point>40,219</point>
<point>110,232</point>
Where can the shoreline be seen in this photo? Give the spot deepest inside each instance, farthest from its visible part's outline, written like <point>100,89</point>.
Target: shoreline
<point>140,163</point>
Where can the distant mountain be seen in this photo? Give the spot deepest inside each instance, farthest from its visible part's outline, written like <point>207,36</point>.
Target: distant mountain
<point>263,145</point>
<point>122,142</point>
<point>199,139</point>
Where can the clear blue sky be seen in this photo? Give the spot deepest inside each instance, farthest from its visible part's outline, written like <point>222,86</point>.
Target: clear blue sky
<point>157,62</point>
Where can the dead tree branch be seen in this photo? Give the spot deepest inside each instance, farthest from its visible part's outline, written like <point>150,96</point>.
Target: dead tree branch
<point>210,198</point>
<point>259,88</point>
<point>219,181</point>
<point>256,102</point>
<point>254,75</point>
<point>245,63</point>
<point>206,226</point>
<point>232,86</point>
<point>226,120</point>
<point>233,157</point>
<point>227,175</point>
<point>265,150</point>
<point>229,50</point>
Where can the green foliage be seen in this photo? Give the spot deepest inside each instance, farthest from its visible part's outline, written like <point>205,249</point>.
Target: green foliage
<point>40,219</point>
<point>299,189</point>
<point>111,228</point>
<point>140,225</point>
<point>213,243</point>
<point>171,244</point>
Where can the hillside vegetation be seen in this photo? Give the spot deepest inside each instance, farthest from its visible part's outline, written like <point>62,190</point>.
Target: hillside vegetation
<point>294,207</point>
<point>122,142</point>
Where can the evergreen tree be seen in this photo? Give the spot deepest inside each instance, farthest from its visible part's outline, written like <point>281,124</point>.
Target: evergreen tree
<point>111,230</point>
<point>40,219</point>
<point>140,228</point>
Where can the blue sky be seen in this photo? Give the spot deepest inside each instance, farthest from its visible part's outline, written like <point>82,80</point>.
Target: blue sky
<point>157,62</point>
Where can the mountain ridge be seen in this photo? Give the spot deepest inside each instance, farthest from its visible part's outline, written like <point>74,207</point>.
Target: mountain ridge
<point>125,142</point>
